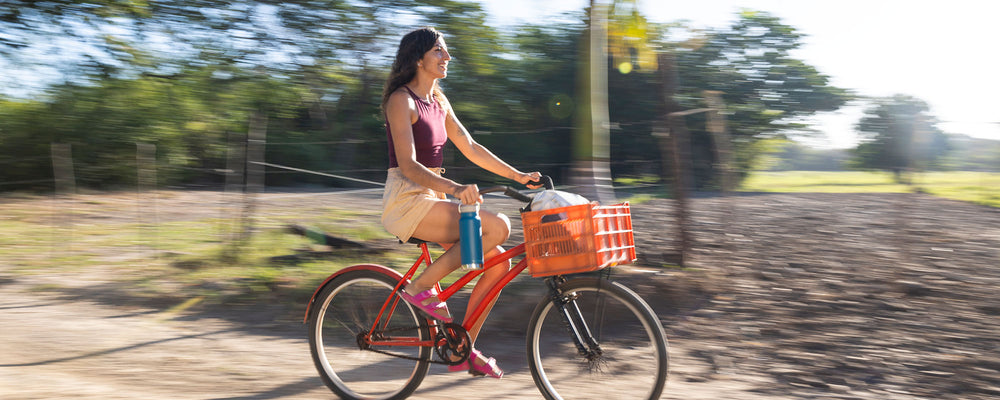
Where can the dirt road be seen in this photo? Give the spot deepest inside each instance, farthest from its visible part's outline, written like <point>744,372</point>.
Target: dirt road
<point>56,348</point>
<point>785,296</point>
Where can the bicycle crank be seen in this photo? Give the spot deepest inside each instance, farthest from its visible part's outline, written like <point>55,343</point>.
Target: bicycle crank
<point>452,341</point>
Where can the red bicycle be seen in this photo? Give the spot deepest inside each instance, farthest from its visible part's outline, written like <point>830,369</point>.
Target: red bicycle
<point>588,337</point>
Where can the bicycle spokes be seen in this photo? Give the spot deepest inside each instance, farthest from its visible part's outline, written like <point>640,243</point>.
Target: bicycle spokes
<point>590,337</point>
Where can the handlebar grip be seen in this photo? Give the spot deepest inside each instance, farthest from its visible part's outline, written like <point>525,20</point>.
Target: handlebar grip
<point>547,181</point>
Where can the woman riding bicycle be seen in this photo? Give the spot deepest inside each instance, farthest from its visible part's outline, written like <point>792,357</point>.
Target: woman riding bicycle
<point>419,120</point>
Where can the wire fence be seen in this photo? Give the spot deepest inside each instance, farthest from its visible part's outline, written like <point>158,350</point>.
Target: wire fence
<point>239,204</point>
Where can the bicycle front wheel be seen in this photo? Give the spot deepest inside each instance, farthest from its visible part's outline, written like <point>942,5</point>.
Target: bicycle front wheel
<point>625,357</point>
<point>343,313</point>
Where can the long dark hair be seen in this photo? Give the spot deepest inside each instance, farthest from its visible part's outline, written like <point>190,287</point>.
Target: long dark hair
<point>411,49</point>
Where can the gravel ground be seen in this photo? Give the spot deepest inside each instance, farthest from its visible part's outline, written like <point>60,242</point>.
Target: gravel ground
<point>815,296</point>
<point>838,295</point>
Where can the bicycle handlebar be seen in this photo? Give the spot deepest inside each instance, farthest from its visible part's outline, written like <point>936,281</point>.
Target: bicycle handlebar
<point>508,191</point>
<point>514,193</point>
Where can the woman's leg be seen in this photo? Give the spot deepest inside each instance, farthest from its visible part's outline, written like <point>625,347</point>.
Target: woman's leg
<point>441,225</point>
<point>496,230</point>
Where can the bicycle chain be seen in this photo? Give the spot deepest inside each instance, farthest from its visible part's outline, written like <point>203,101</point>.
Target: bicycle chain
<point>405,357</point>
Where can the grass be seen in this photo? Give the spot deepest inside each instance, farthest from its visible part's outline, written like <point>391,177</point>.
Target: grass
<point>198,258</point>
<point>821,182</point>
<point>975,187</point>
<point>175,260</point>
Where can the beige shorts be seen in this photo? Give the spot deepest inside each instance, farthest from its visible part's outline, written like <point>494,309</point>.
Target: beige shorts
<point>405,203</point>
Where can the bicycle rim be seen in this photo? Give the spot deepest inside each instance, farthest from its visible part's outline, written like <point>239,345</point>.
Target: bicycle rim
<point>633,361</point>
<point>347,307</point>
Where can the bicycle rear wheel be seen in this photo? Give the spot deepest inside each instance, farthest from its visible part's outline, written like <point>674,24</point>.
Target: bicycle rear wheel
<point>344,310</point>
<point>628,360</point>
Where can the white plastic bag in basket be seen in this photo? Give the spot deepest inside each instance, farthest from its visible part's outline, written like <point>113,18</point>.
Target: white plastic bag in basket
<point>548,199</point>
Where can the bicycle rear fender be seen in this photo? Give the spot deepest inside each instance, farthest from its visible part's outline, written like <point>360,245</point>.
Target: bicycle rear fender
<point>370,267</point>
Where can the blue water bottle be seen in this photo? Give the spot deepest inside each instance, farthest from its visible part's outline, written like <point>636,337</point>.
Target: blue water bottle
<point>470,232</point>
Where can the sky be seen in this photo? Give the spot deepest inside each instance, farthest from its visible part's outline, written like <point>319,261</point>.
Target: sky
<point>939,51</point>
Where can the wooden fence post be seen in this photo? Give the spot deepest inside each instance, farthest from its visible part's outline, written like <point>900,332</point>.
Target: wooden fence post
<point>65,187</point>
<point>256,142</point>
<point>62,169</point>
<point>146,207</point>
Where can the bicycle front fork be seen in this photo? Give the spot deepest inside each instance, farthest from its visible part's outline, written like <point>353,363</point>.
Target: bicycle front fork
<point>573,319</point>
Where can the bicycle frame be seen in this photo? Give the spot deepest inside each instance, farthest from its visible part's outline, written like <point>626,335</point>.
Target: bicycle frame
<point>607,323</point>
<point>426,259</point>
<point>577,328</point>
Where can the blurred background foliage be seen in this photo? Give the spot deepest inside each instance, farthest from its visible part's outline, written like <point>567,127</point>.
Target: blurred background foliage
<point>188,76</point>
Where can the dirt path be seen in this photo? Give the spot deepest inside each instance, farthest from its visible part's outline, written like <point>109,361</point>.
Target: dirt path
<point>787,296</point>
<point>57,348</point>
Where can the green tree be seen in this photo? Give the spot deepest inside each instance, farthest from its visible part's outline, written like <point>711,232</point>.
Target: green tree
<point>787,155</point>
<point>315,67</point>
<point>766,91</point>
<point>899,135</point>
<point>972,154</point>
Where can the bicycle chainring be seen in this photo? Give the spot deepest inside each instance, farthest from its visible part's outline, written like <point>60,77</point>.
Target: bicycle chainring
<point>452,341</point>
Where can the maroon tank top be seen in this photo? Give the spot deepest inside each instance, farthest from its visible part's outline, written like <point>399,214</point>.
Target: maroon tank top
<point>429,134</point>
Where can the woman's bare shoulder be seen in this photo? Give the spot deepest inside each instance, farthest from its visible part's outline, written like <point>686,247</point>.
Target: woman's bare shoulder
<point>400,99</point>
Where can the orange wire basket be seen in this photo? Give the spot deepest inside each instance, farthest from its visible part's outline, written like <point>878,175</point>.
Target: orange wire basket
<point>581,238</point>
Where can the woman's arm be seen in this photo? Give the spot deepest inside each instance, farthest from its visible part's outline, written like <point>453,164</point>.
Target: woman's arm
<point>401,113</point>
<point>482,156</point>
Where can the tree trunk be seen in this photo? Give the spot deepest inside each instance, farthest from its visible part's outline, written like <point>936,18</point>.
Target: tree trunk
<point>675,148</point>
<point>347,150</point>
<point>590,173</point>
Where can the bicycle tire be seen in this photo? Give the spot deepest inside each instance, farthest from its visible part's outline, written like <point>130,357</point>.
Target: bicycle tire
<point>634,357</point>
<point>348,305</point>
